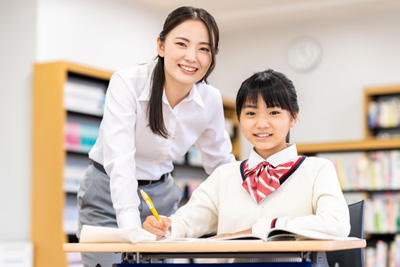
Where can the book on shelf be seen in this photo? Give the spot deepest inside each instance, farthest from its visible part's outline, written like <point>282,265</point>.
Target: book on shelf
<point>80,137</point>
<point>98,234</point>
<point>84,97</point>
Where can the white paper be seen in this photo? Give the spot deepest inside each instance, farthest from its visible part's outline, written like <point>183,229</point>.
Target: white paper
<point>99,234</point>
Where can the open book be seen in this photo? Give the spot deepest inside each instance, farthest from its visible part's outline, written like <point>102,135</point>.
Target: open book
<point>98,234</point>
<point>278,234</point>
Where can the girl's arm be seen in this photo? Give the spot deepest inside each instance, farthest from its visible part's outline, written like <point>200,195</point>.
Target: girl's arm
<point>200,215</point>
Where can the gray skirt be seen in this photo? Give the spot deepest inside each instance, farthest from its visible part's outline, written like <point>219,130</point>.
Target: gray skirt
<point>95,207</point>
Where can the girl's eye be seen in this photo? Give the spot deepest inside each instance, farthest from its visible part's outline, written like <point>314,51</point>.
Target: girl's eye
<point>250,113</point>
<point>274,112</point>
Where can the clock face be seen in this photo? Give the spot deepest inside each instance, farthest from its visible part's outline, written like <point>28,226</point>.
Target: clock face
<point>304,54</point>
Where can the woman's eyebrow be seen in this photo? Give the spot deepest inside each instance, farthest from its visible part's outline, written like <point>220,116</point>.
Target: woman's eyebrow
<point>187,40</point>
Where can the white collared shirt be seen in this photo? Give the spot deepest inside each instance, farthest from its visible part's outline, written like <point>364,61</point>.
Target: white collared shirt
<point>130,151</point>
<point>285,155</point>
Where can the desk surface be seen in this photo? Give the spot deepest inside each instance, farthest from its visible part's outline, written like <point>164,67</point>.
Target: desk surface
<point>221,246</point>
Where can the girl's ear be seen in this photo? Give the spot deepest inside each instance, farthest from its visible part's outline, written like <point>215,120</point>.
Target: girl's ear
<point>294,120</point>
<point>160,47</point>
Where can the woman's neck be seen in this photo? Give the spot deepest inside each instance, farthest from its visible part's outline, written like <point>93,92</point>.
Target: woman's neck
<point>175,94</point>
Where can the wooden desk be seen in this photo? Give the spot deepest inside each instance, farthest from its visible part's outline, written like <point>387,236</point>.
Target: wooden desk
<point>221,249</point>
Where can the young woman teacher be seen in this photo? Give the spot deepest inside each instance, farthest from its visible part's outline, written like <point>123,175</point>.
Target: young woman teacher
<point>153,114</point>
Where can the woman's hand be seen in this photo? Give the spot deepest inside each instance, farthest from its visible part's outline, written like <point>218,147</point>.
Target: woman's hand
<point>245,232</point>
<point>156,227</point>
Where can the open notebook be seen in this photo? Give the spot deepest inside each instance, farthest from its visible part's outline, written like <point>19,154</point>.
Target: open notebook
<point>98,234</point>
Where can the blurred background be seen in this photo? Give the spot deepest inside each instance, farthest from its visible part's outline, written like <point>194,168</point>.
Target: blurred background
<point>351,45</point>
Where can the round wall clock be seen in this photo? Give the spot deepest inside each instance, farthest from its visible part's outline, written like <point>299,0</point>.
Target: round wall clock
<point>304,54</point>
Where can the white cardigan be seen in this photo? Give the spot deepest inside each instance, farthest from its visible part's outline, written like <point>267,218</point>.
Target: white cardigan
<point>311,198</point>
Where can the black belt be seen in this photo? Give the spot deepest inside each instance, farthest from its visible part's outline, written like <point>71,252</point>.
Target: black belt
<point>100,168</point>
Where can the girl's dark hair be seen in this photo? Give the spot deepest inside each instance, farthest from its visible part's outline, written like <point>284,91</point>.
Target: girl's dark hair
<point>175,18</point>
<point>274,87</point>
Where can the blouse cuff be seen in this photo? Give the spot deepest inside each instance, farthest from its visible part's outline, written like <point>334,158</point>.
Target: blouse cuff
<point>128,219</point>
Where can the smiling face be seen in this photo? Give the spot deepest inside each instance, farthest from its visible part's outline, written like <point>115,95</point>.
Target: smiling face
<point>187,54</point>
<point>265,127</point>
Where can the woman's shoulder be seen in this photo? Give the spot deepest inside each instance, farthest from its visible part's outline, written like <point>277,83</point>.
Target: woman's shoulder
<point>136,72</point>
<point>207,91</point>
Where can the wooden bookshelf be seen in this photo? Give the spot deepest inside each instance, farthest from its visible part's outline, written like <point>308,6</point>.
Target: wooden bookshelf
<point>362,145</point>
<point>49,156</point>
<point>370,94</point>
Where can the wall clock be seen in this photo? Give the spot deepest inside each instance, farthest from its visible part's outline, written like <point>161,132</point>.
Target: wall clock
<point>304,54</point>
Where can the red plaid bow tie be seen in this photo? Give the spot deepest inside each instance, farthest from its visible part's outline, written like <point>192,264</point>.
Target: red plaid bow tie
<point>263,179</point>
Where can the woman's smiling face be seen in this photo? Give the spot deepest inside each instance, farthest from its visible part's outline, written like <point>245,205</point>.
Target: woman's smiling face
<point>187,54</point>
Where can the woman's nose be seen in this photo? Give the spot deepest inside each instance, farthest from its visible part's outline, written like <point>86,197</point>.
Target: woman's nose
<point>191,54</point>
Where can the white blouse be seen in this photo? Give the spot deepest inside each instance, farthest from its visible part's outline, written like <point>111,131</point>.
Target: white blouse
<point>130,151</point>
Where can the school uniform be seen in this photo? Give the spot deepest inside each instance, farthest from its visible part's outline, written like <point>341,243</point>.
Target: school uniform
<point>128,156</point>
<point>309,198</point>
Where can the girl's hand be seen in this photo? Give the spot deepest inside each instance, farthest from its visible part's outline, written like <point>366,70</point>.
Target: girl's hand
<point>156,227</point>
<point>245,232</point>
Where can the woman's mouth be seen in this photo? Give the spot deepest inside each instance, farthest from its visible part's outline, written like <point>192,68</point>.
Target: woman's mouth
<point>188,69</point>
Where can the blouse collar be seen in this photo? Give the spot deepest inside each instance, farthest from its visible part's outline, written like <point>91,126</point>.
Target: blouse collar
<point>285,155</point>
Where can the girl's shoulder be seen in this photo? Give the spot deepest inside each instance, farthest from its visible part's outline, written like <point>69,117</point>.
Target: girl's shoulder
<point>314,165</point>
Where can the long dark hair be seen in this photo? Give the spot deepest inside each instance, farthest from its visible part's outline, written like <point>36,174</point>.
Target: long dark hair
<point>274,87</point>
<point>176,17</point>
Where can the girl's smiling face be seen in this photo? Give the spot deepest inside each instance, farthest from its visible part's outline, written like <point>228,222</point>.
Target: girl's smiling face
<point>265,127</point>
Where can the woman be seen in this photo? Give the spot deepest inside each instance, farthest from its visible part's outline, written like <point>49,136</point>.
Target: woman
<point>153,114</point>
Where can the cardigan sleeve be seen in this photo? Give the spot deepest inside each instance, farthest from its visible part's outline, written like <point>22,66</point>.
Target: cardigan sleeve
<point>200,215</point>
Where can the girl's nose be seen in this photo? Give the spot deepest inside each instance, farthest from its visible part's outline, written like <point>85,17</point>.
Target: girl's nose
<point>262,123</point>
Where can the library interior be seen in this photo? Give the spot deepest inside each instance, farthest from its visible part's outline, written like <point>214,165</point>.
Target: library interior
<point>58,57</point>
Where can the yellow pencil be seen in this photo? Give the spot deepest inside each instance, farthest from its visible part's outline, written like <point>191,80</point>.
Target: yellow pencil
<point>151,207</point>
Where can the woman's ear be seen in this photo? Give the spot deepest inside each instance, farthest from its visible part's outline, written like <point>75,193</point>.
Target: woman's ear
<point>294,120</point>
<point>160,47</point>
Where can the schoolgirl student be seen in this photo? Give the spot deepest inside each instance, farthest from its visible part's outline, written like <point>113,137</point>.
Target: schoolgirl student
<point>275,187</point>
<point>153,114</point>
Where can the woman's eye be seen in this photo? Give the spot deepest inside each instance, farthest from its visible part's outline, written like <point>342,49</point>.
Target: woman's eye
<point>181,44</point>
<point>205,49</point>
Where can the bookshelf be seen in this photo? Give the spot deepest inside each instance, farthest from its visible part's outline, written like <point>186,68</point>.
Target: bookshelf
<point>373,169</point>
<point>64,128</point>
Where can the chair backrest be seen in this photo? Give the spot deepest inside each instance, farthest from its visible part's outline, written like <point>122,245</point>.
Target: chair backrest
<point>351,257</point>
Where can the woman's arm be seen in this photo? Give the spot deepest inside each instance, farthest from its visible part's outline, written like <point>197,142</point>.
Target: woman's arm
<point>214,143</point>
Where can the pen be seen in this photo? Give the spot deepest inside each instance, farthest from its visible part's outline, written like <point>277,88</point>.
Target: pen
<point>151,207</point>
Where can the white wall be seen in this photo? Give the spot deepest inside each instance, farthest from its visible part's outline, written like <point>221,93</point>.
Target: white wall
<point>17,52</point>
<point>357,53</point>
<point>103,34</point>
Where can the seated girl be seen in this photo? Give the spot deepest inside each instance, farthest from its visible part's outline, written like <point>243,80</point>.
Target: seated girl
<point>274,188</point>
